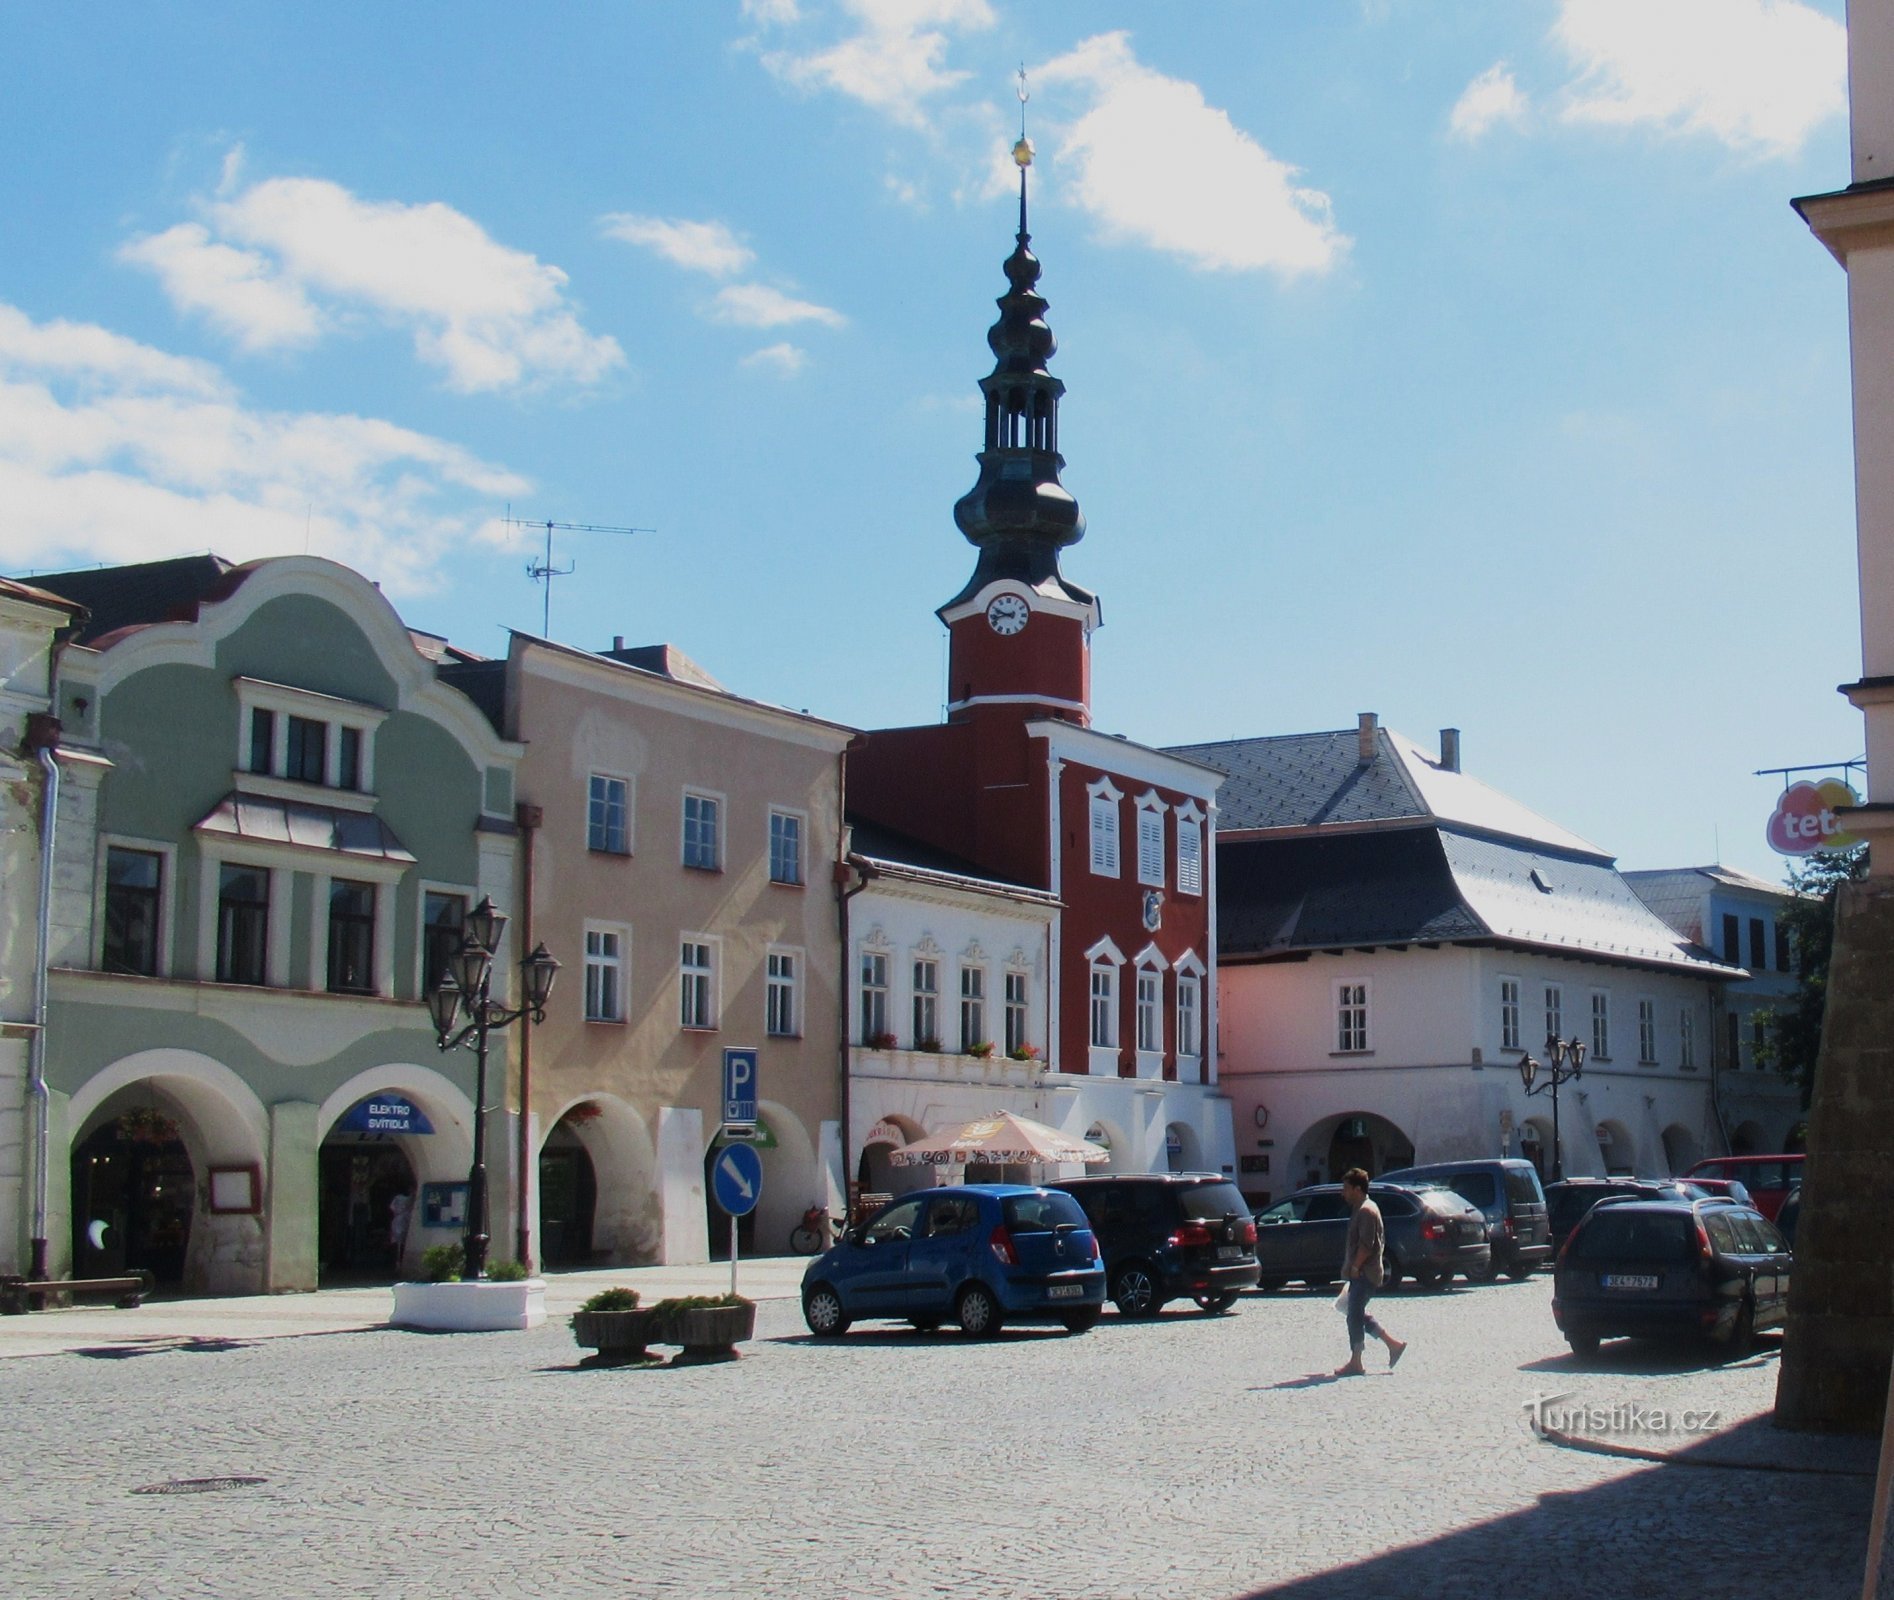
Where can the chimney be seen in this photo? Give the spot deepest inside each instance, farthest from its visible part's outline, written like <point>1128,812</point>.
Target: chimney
<point>1450,749</point>
<point>618,643</point>
<point>1365,734</point>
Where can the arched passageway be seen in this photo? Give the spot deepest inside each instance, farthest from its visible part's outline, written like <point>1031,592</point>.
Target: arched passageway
<point>133,1197</point>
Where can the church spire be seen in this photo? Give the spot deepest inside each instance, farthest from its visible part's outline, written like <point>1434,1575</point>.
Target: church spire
<point>1018,513</point>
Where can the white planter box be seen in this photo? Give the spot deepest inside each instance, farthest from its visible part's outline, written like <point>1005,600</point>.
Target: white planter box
<point>470,1307</point>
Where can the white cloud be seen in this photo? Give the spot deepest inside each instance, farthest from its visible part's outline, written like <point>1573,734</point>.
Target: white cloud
<point>1155,164</point>
<point>707,247</point>
<point>783,359</point>
<point>113,451</point>
<point>756,305</point>
<point>488,316</point>
<point>1490,99</point>
<point>1755,74</point>
<point>894,61</point>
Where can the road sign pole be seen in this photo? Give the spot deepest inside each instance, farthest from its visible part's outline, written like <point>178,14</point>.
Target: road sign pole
<point>733,1255</point>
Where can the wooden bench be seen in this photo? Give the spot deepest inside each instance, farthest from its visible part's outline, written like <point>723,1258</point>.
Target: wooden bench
<point>19,1295</point>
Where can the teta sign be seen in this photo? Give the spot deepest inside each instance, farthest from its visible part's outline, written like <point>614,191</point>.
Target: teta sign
<point>1804,820</point>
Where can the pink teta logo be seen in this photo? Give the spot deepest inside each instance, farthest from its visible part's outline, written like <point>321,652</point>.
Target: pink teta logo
<point>1804,820</point>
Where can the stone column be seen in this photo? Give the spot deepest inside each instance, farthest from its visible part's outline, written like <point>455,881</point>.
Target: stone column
<point>292,1204</point>
<point>1835,1355</point>
<point>685,1240</point>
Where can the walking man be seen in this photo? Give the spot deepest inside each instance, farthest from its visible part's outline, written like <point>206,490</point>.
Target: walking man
<point>1361,1266</point>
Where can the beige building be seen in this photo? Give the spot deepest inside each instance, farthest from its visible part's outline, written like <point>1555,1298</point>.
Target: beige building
<point>680,857</point>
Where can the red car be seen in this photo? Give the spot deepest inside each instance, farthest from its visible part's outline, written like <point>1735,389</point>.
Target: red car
<point>1767,1178</point>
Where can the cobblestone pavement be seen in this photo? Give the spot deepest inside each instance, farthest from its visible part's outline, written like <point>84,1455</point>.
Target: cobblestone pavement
<point>1198,1456</point>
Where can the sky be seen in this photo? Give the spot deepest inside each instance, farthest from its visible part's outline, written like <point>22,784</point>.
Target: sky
<point>1465,364</point>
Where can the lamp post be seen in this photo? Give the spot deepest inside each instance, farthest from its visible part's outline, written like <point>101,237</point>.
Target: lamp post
<point>465,993</point>
<point>1565,1060</point>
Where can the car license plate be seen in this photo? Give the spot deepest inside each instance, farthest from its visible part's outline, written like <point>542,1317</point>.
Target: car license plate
<point>1229,1252</point>
<point>1628,1280</point>
<point>1065,1291</point>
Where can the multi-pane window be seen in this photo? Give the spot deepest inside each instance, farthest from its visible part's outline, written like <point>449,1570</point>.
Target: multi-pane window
<point>1151,845</point>
<point>1686,1037</point>
<point>1554,1011</point>
<point>351,937</point>
<point>133,881</point>
<point>306,752</point>
<point>926,1004</point>
<point>1732,939</point>
<point>702,845</point>
<point>608,815</point>
<point>1105,835</point>
<point>972,1007</point>
<point>1351,1016</point>
<point>348,758</point>
<point>695,986</point>
<point>1509,1013</point>
<point>1189,1015</point>
<point>1782,948</point>
<point>604,975</point>
<point>1189,855</point>
<point>444,919</point>
<point>1150,1000</point>
<point>874,997</point>
<point>1104,1005</point>
<point>780,996</point>
<point>1016,1040</point>
<point>262,739</point>
<point>1600,1025</point>
<point>1647,1030</point>
<point>785,847</point>
<point>1758,944</point>
<point>243,924</point>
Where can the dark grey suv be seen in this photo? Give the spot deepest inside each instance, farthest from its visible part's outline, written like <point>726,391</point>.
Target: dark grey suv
<point>1431,1235</point>
<point>1518,1229</point>
<point>1168,1235</point>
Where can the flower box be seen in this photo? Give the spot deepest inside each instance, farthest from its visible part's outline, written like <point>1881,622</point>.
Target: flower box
<point>478,1306</point>
<point>617,1336</point>
<point>711,1333</point>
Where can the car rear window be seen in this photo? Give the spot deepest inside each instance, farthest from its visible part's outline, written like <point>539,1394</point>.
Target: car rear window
<point>1395,1204</point>
<point>1041,1213</point>
<point>1522,1188</point>
<point>1618,1233</point>
<point>1202,1201</point>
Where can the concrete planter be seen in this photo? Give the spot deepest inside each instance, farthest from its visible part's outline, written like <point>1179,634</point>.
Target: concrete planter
<point>477,1307</point>
<point>617,1336</point>
<point>710,1333</point>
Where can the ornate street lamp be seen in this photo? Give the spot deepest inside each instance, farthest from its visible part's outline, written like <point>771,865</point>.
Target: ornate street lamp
<point>1565,1060</point>
<point>465,993</point>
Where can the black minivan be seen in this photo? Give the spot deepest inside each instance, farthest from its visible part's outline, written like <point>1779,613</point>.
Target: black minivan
<point>1166,1235</point>
<point>1517,1226</point>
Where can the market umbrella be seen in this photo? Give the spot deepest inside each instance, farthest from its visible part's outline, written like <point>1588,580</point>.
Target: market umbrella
<point>1001,1139</point>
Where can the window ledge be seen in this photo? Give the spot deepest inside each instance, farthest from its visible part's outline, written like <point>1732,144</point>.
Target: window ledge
<point>1336,1053</point>
<point>698,866</point>
<point>604,850</point>
<point>782,1036</point>
<point>697,1027</point>
<point>788,883</point>
<point>607,1022</point>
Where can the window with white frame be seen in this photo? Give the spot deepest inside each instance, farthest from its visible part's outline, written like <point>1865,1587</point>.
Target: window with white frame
<point>1150,1010</point>
<point>785,847</point>
<point>243,923</point>
<point>874,998</point>
<point>608,814</point>
<point>351,937</point>
<point>973,1007</point>
<point>1151,841</point>
<point>1189,850</point>
<point>1600,1025</point>
<point>703,831</point>
<point>304,737</point>
<point>1647,1031</point>
<point>134,883</point>
<point>780,1002</point>
<point>1554,1011</point>
<point>1016,1012</point>
<point>697,987</point>
<point>604,973</point>
<point>926,1034</point>
<point>1686,1037</point>
<point>1104,827</point>
<point>1509,1013</point>
<point>1189,1014</point>
<point>1104,1005</point>
<point>1351,1016</point>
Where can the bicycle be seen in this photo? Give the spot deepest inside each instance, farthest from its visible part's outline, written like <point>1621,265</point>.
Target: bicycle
<point>811,1236</point>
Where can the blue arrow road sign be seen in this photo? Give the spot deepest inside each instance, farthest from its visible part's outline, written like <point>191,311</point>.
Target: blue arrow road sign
<point>739,1087</point>
<point>736,1178</point>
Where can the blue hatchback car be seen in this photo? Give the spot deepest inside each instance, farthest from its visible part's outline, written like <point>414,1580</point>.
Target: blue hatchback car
<point>979,1254</point>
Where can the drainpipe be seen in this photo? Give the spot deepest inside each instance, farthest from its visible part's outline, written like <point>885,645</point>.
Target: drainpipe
<point>42,737</point>
<point>529,819</point>
<point>845,892</point>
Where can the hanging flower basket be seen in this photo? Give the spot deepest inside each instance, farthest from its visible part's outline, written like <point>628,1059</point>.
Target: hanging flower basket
<point>146,1125</point>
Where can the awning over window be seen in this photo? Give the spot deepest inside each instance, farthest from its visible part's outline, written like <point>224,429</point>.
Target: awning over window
<point>257,820</point>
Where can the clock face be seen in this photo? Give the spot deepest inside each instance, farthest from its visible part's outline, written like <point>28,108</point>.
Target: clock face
<point>1007,614</point>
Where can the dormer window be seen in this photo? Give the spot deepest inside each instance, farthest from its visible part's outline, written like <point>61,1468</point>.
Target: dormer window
<point>297,736</point>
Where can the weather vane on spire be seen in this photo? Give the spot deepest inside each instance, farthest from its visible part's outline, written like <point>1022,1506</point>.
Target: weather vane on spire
<point>1022,152</point>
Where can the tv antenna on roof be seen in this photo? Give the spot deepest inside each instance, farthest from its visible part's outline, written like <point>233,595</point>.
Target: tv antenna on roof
<point>544,571</point>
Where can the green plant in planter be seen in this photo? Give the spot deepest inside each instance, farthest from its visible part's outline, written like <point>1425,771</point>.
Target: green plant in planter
<point>616,1299</point>
<point>505,1272</point>
<point>443,1263</point>
<point>708,1326</point>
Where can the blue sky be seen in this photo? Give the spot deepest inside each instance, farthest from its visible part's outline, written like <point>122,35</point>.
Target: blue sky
<point>1461,363</point>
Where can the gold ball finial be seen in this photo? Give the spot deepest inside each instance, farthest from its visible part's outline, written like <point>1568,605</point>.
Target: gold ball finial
<point>1022,153</point>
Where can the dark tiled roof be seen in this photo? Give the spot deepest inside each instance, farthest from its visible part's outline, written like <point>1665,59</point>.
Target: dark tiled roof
<point>484,683</point>
<point>148,591</point>
<point>881,843</point>
<point>1302,779</point>
<point>666,660</point>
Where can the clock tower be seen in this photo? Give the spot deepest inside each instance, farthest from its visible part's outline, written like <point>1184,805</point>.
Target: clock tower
<point>1019,634</point>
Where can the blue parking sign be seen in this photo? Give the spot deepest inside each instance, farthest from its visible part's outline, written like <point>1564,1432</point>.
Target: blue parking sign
<point>739,1087</point>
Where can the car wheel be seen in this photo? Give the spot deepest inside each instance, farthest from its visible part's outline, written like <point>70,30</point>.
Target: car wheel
<point>1270,1285</point>
<point>1519,1271</point>
<point>1583,1342</point>
<point>924,1324</point>
<point>1082,1321</point>
<point>1485,1274</point>
<point>978,1312</point>
<point>1134,1291</point>
<point>1390,1271</point>
<point>1213,1303</point>
<point>1429,1278</point>
<point>822,1310</point>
